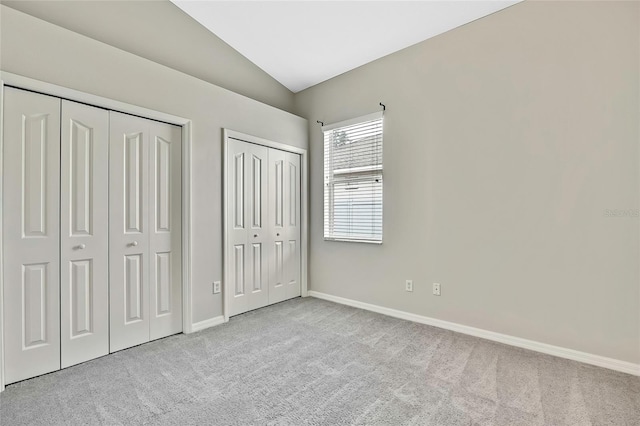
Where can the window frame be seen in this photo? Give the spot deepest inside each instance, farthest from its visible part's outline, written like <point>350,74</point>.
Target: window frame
<point>344,175</point>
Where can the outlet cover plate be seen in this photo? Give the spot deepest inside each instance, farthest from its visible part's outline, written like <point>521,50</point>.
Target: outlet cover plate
<point>408,285</point>
<point>436,289</point>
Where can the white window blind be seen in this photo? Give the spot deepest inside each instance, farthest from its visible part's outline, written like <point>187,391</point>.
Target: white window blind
<point>353,180</point>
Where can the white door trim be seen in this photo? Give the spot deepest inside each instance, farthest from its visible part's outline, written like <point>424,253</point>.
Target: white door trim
<point>1,234</point>
<point>304,216</point>
<point>21,82</point>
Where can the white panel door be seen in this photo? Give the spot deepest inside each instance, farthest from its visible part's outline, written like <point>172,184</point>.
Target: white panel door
<point>129,248</point>
<point>31,232</point>
<point>84,233</point>
<point>284,217</point>
<point>292,227</point>
<point>145,249</point>
<point>248,235</point>
<point>165,218</point>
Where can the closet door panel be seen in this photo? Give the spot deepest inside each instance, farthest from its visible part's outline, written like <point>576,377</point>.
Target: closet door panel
<point>31,232</point>
<point>236,227</point>
<point>292,225</point>
<point>84,233</point>
<point>248,226</point>
<point>284,210</point>
<point>257,265</point>
<point>277,222</point>
<point>129,249</point>
<point>165,218</point>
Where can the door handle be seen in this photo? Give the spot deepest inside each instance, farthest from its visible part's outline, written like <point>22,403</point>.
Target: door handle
<point>133,244</point>
<point>278,234</point>
<point>255,235</point>
<point>80,247</point>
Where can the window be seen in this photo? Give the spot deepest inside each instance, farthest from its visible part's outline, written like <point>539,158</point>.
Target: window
<point>353,180</point>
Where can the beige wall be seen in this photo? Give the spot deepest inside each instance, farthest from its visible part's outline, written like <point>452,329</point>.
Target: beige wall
<point>505,141</point>
<point>43,51</point>
<point>158,30</point>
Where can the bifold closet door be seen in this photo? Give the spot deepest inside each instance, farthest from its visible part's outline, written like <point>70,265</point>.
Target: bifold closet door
<point>165,233</point>
<point>84,233</point>
<point>129,233</point>
<point>263,225</point>
<point>284,218</point>
<point>31,232</point>
<point>145,230</point>
<point>248,234</point>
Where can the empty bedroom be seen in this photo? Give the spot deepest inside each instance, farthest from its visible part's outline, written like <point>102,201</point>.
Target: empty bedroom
<point>320,212</point>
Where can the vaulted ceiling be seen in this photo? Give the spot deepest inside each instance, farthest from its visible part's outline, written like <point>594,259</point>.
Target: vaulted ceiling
<point>303,43</point>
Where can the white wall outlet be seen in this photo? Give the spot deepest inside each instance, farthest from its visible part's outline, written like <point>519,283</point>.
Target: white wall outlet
<point>216,287</point>
<point>436,289</point>
<point>408,285</point>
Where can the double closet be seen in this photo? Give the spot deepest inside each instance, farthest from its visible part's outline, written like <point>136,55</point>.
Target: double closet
<point>263,243</point>
<point>91,232</point>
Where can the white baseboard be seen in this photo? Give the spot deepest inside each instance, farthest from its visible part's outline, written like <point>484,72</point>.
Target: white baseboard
<point>211,322</point>
<point>597,360</point>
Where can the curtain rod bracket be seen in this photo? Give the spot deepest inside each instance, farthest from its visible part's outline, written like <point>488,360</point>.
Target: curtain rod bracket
<point>384,108</point>
<point>320,122</point>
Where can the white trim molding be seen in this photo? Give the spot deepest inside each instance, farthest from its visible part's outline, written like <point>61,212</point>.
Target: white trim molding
<point>187,302</point>
<point>211,322</point>
<point>304,206</point>
<point>1,234</point>
<point>587,358</point>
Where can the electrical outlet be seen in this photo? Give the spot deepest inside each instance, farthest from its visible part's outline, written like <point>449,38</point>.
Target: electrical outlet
<point>408,285</point>
<point>216,287</point>
<point>436,289</point>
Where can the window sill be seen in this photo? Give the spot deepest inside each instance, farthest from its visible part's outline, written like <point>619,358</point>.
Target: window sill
<point>347,240</point>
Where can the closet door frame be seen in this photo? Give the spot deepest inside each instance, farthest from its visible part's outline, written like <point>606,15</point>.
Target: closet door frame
<point>2,84</point>
<point>25,83</point>
<point>227,136</point>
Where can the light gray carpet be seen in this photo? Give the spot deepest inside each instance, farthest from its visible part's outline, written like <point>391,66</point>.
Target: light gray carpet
<point>312,362</point>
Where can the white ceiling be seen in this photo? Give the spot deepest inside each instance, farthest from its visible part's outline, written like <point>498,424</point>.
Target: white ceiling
<point>303,43</point>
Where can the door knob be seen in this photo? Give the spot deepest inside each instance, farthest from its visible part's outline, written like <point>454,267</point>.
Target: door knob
<point>255,235</point>
<point>278,234</point>
<point>80,247</point>
<point>133,244</point>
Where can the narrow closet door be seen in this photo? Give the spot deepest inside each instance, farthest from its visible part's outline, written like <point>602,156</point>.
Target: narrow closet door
<point>284,217</point>
<point>277,220</point>
<point>31,232</point>
<point>84,233</point>
<point>129,230</point>
<point>292,257</point>
<point>248,234</point>
<point>165,273</point>
<point>258,232</point>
